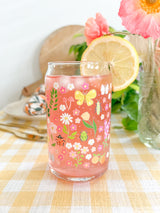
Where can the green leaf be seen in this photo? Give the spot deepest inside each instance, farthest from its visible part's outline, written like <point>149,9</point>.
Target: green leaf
<point>94,126</point>
<point>78,152</point>
<point>55,109</point>
<point>56,96</point>
<point>64,127</point>
<point>76,165</point>
<point>82,156</point>
<point>80,159</point>
<point>87,125</point>
<point>118,94</point>
<point>116,107</point>
<point>55,105</point>
<point>132,110</point>
<point>52,92</point>
<point>134,86</point>
<point>74,133</point>
<point>129,124</point>
<point>79,163</point>
<point>65,131</point>
<point>71,137</point>
<point>53,144</point>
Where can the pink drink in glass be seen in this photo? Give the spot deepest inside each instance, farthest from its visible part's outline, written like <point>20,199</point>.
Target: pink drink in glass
<point>78,123</point>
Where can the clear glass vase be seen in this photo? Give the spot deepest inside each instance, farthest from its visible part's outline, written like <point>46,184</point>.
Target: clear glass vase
<point>149,101</point>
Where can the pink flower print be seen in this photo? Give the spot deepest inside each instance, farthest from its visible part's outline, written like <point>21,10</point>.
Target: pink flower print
<point>100,148</point>
<point>106,128</point>
<point>63,90</point>
<point>85,86</point>
<point>95,28</point>
<point>106,107</point>
<point>73,127</point>
<point>84,150</point>
<point>73,154</point>
<point>69,163</point>
<point>55,119</point>
<point>59,128</point>
<point>98,138</point>
<point>77,120</point>
<point>60,157</point>
<point>86,165</point>
<point>104,99</point>
<point>100,129</point>
<point>53,128</point>
<point>64,151</point>
<point>76,112</point>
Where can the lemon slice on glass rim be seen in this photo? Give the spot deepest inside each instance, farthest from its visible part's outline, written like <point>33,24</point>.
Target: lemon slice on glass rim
<point>120,55</point>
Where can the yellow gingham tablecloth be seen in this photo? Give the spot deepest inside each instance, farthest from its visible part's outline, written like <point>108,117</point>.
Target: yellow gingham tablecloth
<point>131,184</point>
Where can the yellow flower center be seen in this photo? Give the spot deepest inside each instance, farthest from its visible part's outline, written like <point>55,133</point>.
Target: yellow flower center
<point>150,6</point>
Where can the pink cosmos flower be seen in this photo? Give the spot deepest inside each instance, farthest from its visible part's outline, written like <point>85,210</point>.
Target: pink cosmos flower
<point>69,163</point>
<point>95,28</point>
<point>59,128</point>
<point>55,119</point>
<point>63,90</point>
<point>106,107</point>
<point>73,127</point>
<point>64,151</point>
<point>141,17</point>
<point>98,138</point>
<point>60,157</point>
<point>76,112</point>
<point>73,154</point>
<point>86,165</point>
<point>100,148</point>
<point>85,86</point>
<point>100,129</point>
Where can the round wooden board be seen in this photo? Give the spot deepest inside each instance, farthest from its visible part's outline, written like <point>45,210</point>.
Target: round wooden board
<point>56,46</point>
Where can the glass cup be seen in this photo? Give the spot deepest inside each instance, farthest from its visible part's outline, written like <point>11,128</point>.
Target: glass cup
<point>78,120</point>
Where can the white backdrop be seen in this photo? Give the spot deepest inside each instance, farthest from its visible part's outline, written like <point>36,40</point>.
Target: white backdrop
<point>24,25</point>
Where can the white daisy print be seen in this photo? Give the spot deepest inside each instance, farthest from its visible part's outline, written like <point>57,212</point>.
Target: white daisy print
<point>84,150</point>
<point>91,142</point>
<point>56,85</point>
<point>62,107</point>
<point>77,120</point>
<point>68,145</point>
<point>77,146</point>
<point>66,118</point>
<point>93,149</point>
<point>88,156</point>
<point>70,86</point>
<point>102,116</point>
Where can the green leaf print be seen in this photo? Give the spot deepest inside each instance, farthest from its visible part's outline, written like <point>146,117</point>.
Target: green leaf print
<point>53,144</point>
<point>53,100</point>
<point>94,126</point>
<point>71,137</point>
<point>87,125</point>
<point>74,133</point>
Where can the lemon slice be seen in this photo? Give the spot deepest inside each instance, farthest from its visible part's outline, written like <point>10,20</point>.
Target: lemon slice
<point>120,55</point>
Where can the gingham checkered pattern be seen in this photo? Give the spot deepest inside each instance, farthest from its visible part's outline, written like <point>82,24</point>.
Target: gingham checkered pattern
<point>131,184</point>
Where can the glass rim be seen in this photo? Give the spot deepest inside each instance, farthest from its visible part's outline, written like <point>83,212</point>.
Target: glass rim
<point>75,62</point>
<point>51,63</point>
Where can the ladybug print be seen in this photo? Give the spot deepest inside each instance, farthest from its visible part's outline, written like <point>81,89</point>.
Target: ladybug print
<point>60,140</point>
